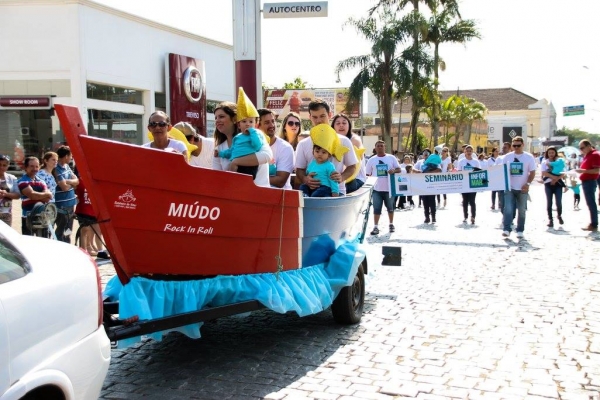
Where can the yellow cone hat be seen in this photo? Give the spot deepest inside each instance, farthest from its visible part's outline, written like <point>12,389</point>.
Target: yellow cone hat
<point>327,138</point>
<point>245,108</point>
<point>176,134</point>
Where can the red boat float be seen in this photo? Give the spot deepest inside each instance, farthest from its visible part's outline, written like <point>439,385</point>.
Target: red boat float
<point>166,220</point>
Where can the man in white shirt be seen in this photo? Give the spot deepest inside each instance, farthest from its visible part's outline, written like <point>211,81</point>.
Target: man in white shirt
<point>319,112</point>
<point>521,166</point>
<point>382,165</point>
<point>282,164</point>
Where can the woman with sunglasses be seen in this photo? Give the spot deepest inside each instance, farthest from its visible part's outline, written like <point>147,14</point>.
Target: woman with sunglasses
<point>343,126</point>
<point>226,128</point>
<point>9,190</point>
<point>291,128</point>
<point>159,125</point>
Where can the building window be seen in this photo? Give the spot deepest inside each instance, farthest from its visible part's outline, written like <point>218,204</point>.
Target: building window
<point>113,93</point>
<point>211,105</point>
<point>25,133</point>
<point>122,127</point>
<point>160,102</point>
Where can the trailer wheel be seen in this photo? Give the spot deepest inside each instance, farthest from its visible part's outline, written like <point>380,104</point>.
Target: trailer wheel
<point>347,308</point>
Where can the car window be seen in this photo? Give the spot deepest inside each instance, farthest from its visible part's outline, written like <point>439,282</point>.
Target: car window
<point>12,263</point>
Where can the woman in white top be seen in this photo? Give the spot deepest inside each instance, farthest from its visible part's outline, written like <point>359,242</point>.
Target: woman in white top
<point>446,161</point>
<point>492,161</point>
<point>9,190</point>
<point>466,164</point>
<point>342,125</point>
<point>226,129</point>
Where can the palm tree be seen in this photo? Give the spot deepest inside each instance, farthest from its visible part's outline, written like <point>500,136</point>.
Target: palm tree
<point>464,111</point>
<point>440,29</point>
<point>381,67</point>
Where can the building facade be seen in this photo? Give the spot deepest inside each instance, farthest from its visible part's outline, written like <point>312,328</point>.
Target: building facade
<point>110,64</point>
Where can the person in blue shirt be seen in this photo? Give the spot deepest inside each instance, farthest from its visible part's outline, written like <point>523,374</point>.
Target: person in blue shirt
<point>65,197</point>
<point>321,168</point>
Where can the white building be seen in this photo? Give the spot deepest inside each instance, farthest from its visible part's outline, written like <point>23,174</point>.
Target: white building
<point>108,63</point>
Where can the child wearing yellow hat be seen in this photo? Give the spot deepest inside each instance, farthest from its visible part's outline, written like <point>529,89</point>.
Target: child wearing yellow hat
<point>249,140</point>
<point>321,168</point>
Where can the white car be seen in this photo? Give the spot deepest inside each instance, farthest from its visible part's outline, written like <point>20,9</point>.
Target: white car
<point>52,342</point>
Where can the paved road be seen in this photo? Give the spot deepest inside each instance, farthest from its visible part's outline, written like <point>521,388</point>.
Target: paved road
<point>467,315</point>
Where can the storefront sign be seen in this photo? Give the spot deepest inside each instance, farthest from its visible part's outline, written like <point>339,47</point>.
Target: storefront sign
<point>308,9</point>
<point>186,91</point>
<point>25,102</point>
<point>492,178</point>
<point>282,101</point>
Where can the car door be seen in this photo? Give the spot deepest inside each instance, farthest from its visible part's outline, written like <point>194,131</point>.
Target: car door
<point>13,267</point>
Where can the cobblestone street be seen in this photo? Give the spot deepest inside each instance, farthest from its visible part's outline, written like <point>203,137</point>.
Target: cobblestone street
<point>468,315</point>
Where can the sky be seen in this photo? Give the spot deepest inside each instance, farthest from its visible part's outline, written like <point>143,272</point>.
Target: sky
<point>543,48</point>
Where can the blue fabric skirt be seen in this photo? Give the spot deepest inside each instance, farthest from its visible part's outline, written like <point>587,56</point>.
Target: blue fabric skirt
<point>306,291</point>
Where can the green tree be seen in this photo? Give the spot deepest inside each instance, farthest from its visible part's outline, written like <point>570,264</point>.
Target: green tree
<point>297,83</point>
<point>443,27</point>
<point>379,69</point>
<point>575,135</point>
<point>463,112</point>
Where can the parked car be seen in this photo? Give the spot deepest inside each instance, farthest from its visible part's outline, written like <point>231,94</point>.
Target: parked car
<point>52,342</point>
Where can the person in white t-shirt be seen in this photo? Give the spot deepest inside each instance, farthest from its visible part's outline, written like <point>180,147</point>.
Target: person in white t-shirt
<point>319,113</point>
<point>159,125</point>
<point>492,161</point>
<point>203,155</point>
<point>468,163</point>
<point>382,165</point>
<point>446,161</point>
<point>521,166</point>
<point>506,147</point>
<point>282,164</point>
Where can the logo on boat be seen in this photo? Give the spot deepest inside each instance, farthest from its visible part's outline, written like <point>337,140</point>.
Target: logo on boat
<point>126,200</point>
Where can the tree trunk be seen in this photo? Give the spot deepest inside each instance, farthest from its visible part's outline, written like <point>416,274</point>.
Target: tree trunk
<point>435,125</point>
<point>414,142</point>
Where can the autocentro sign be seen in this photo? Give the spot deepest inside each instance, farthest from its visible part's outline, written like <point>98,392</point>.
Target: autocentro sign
<point>295,9</point>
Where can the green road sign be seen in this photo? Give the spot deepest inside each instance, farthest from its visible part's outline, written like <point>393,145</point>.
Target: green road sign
<point>573,110</point>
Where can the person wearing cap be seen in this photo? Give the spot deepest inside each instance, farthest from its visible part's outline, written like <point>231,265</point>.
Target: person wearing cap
<point>9,190</point>
<point>320,113</point>
<point>202,156</point>
<point>226,116</point>
<point>282,164</point>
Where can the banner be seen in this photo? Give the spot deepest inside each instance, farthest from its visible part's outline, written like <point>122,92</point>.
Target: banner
<point>492,178</point>
<point>282,101</point>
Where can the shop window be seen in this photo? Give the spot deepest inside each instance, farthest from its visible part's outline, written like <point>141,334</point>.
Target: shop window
<point>25,133</point>
<point>122,127</point>
<point>114,94</point>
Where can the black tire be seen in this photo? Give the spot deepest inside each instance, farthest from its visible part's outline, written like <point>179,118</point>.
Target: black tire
<point>347,308</point>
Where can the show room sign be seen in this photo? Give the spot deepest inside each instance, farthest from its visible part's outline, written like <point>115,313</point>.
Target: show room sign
<point>308,9</point>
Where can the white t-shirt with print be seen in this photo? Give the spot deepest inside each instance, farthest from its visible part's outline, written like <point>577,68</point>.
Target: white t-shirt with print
<point>379,167</point>
<point>467,165</point>
<point>519,167</point>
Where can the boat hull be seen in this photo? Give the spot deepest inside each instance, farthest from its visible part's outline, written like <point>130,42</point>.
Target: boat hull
<point>159,215</point>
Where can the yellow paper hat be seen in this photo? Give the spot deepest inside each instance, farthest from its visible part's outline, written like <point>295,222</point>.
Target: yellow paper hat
<point>245,108</point>
<point>176,134</point>
<point>327,138</point>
